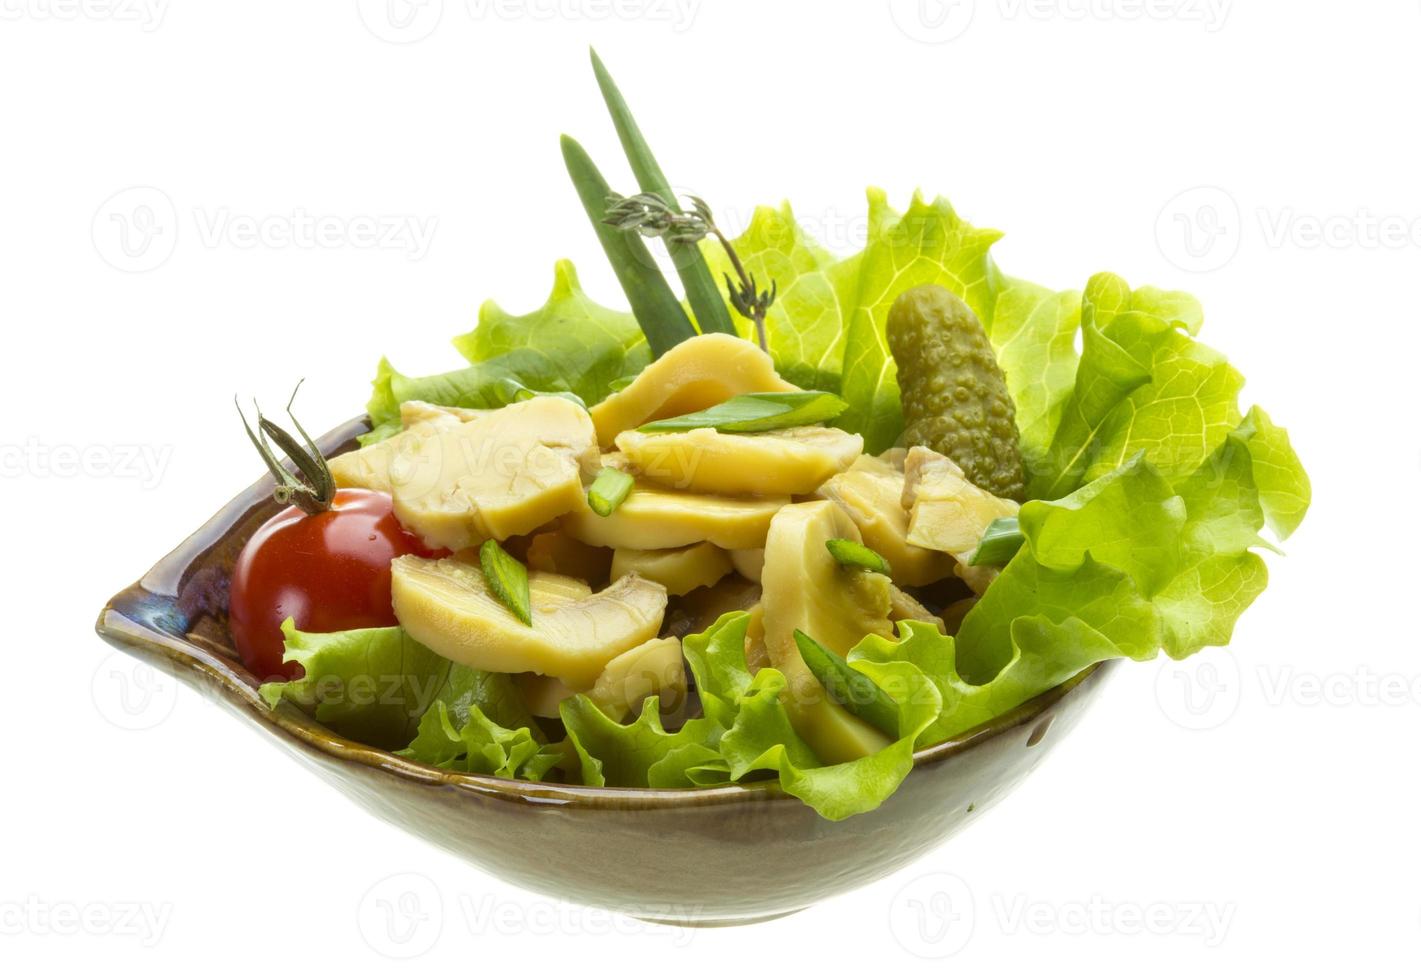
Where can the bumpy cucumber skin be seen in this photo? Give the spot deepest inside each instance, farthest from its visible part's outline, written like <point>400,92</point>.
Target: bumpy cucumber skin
<point>954,393</point>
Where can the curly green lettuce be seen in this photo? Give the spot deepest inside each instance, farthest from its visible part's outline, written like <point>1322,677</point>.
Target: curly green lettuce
<point>570,344</point>
<point>1149,488</point>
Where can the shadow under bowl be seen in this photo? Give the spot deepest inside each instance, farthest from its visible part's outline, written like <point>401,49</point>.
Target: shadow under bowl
<point>718,856</point>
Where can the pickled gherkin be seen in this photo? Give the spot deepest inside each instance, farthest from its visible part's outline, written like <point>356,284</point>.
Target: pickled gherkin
<point>954,393</point>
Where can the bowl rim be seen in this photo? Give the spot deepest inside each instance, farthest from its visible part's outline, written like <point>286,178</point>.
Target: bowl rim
<point>191,661</point>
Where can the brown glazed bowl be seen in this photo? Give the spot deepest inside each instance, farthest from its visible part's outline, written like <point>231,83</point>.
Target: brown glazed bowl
<point>718,856</point>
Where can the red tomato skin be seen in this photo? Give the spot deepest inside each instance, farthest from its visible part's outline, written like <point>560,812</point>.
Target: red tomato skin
<point>328,572</point>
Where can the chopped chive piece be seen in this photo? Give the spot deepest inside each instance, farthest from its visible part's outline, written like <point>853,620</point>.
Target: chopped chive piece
<point>851,554</point>
<point>702,293</point>
<point>763,412</point>
<point>608,491</point>
<point>655,306</point>
<point>1000,543</point>
<point>855,691</point>
<point>507,579</point>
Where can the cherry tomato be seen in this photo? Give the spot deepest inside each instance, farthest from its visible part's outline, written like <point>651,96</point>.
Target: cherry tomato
<point>328,571</point>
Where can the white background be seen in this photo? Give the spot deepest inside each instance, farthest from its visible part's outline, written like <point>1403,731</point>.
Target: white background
<point>1267,821</point>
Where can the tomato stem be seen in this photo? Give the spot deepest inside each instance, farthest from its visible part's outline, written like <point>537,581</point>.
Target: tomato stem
<point>312,487</point>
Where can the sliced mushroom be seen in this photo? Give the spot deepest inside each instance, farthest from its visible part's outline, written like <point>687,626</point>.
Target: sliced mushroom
<point>690,377</point>
<point>871,493</point>
<point>557,551</point>
<point>447,606</point>
<point>696,612</point>
<point>947,513</point>
<point>653,518</point>
<point>376,467</point>
<point>654,667</point>
<point>783,462</point>
<point>414,412</point>
<point>806,589</point>
<point>504,473</point>
<point>681,570</point>
<point>748,562</point>
<point>905,606</point>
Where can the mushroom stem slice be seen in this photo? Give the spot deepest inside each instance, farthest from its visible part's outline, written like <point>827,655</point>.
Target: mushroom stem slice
<point>447,605</point>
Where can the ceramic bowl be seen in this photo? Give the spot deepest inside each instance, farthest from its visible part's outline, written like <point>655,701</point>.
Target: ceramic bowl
<point>719,856</point>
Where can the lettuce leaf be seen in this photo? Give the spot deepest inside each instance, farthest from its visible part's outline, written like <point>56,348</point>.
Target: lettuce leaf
<point>480,745</point>
<point>1045,654</point>
<point>827,328</point>
<point>745,733</point>
<point>614,754</point>
<point>569,344</point>
<point>377,685</point>
<point>1149,490</point>
<point>1143,384</point>
<point>1148,561</point>
<point>805,326</point>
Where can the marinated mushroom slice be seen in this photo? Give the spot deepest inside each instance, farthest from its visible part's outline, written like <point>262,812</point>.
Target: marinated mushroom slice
<point>947,513</point>
<point>696,612</point>
<point>653,518</point>
<point>681,570</point>
<point>748,562</point>
<point>806,589</point>
<point>542,695</point>
<point>903,605</point>
<point>690,377</point>
<point>557,551</point>
<point>414,412</point>
<point>756,656</point>
<point>782,462</point>
<point>653,668</point>
<point>871,493</point>
<point>502,474</point>
<point>447,606</point>
<point>377,466</point>
<point>955,613</point>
